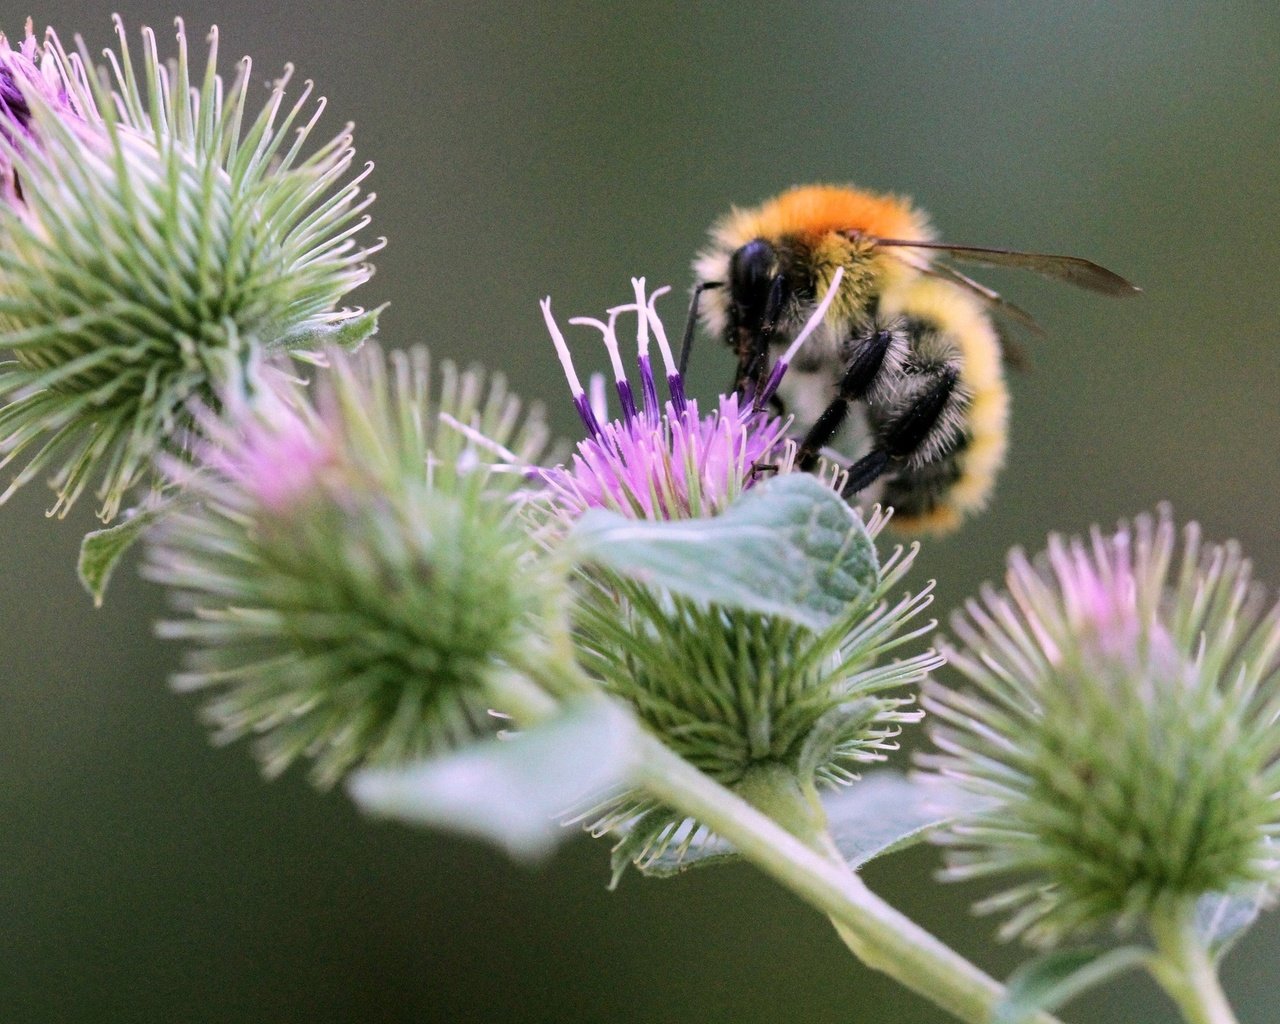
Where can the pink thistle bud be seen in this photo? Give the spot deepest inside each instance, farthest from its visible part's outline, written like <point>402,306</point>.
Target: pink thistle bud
<point>282,452</point>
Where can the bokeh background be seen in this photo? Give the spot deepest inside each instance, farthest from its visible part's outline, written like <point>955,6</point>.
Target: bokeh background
<point>555,147</point>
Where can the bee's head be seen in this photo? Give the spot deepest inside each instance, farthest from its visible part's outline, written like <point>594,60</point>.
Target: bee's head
<point>757,288</point>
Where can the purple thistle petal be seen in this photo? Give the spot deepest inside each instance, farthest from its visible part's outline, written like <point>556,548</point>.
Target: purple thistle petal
<point>675,385</point>
<point>609,333</point>
<point>811,325</point>
<point>583,404</point>
<point>29,77</point>
<point>771,385</point>
<point>648,389</point>
<point>626,399</point>
<point>580,401</point>
<point>675,388</point>
<point>658,462</point>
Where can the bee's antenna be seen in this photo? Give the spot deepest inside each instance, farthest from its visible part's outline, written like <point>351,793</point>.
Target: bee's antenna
<point>686,344</point>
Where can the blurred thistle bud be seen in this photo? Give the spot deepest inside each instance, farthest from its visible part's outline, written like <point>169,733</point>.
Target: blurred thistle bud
<point>154,233</point>
<point>354,572</point>
<point>767,703</point>
<point>1121,728</point>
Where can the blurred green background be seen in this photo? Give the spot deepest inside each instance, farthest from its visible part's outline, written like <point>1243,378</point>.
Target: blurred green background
<point>535,148</point>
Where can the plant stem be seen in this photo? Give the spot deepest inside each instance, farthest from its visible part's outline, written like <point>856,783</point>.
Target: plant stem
<point>811,867</point>
<point>879,935</point>
<point>1185,970</point>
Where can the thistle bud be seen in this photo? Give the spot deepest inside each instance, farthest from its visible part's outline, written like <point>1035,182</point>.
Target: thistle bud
<point>1121,724</point>
<point>353,570</point>
<point>155,235</point>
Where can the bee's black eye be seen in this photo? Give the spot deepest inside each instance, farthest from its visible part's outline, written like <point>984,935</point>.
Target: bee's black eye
<point>752,270</point>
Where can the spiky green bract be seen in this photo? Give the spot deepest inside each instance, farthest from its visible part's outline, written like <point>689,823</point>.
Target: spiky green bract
<point>1122,724</point>
<point>160,235</point>
<point>354,573</point>
<point>748,697</point>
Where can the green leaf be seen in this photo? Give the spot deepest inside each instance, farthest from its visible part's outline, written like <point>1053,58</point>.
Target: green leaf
<point>510,791</point>
<point>349,333</point>
<point>677,857</point>
<point>887,812</point>
<point>630,849</point>
<point>789,547</point>
<point>1048,982</point>
<point>1222,918</point>
<point>101,550</point>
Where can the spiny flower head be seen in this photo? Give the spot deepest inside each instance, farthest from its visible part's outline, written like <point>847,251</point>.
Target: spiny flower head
<point>1121,725</point>
<point>731,689</point>
<point>353,570</point>
<point>735,691</point>
<point>757,701</point>
<point>664,460</point>
<point>154,235</point>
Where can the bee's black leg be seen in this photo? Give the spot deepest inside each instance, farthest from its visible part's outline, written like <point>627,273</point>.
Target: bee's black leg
<point>686,344</point>
<point>866,471</point>
<point>864,367</point>
<point>905,432</point>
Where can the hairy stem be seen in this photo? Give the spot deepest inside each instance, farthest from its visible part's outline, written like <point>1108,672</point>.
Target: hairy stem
<point>1185,970</point>
<point>879,935</point>
<point>799,854</point>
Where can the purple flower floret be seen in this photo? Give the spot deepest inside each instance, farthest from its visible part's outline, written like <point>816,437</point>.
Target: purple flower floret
<point>29,74</point>
<point>274,449</point>
<point>664,460</point>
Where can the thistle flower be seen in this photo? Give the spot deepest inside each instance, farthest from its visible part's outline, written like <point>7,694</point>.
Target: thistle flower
<point>353,572</point>
<point>744,696</point>
<point>1122,725</point>
<point>665,461</point>
<point>154,234</point>
<point>23,72</point>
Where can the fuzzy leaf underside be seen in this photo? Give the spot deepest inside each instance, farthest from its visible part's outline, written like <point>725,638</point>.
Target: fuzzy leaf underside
<point>790,547</point>
<point>883,813</point>
<point>101,550</point>
<point>1222,918</point>
<point>887,812</point>
<point>348,333</point>
<point>510,791</point>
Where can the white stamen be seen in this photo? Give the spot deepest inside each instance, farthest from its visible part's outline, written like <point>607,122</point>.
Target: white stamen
<point>642,330</point>
<point>816,319</point>
<point>599,403</point>
<point>562,349</point>
<point>610,338</point>
<point>660,332</point>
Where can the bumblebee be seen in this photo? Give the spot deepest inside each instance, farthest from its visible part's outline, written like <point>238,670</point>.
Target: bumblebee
<point>907,365</point>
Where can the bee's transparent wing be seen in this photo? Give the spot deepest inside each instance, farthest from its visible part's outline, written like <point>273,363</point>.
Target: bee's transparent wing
<point>1069,269</point>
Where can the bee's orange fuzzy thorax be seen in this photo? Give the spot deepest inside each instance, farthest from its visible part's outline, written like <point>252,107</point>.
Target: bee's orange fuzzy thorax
<point>814,210</point>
